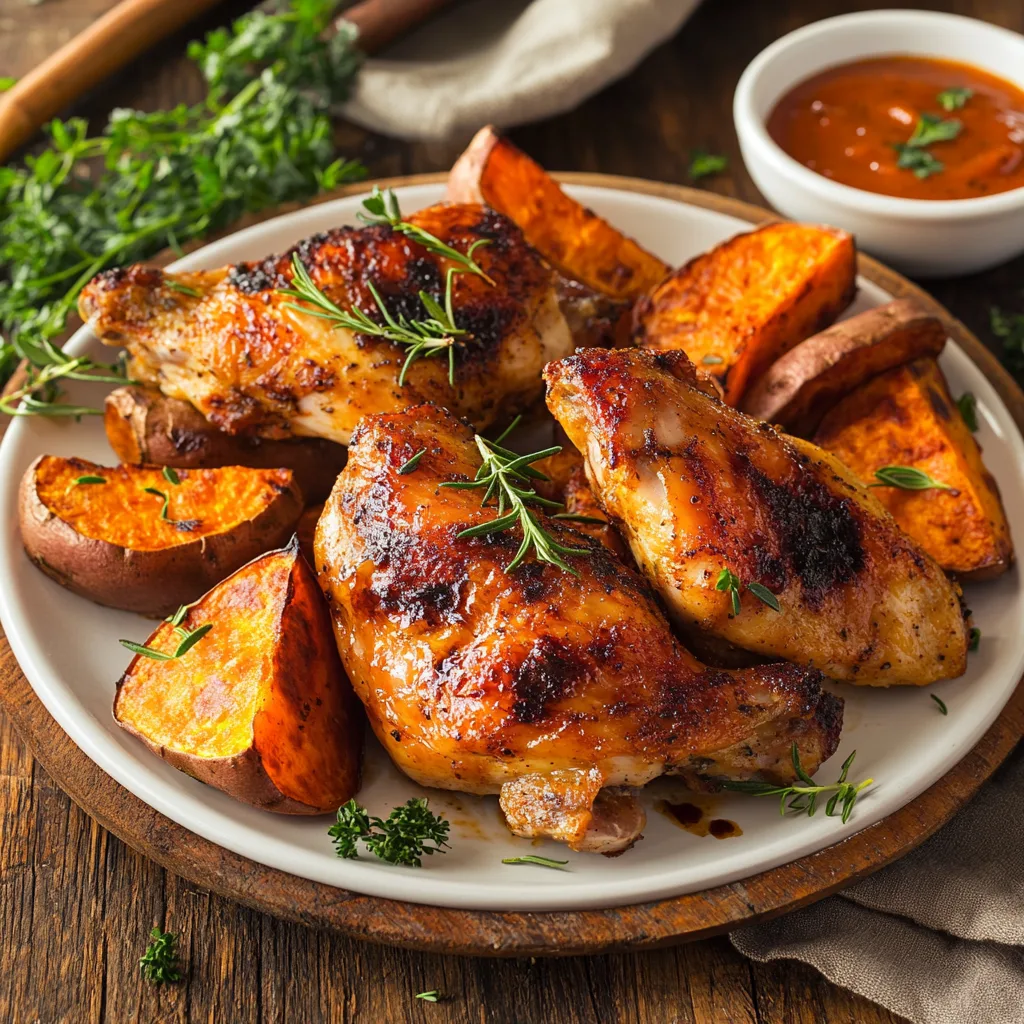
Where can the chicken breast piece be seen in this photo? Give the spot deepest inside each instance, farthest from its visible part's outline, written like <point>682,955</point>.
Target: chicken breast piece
<point>540,685</point>
<point>226,341</point>
<point>697,488</point>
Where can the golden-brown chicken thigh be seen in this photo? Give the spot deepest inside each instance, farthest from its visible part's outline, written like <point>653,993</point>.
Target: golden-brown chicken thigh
<point>551,688</point>
<point>226,341</point>
<point>698,488</point>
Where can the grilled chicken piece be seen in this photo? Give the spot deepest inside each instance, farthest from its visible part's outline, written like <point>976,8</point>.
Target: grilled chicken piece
<point>697,487</point>
<point>251,365</point>
<point>545,687</point>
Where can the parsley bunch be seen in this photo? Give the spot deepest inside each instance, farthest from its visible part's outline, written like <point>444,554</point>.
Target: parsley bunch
<point>403,838</point>
<point>262,136</point>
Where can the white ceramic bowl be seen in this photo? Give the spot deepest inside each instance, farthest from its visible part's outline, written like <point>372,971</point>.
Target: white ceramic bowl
<point>921,236</point>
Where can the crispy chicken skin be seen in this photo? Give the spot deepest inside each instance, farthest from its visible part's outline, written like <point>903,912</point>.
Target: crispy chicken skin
<point>250,365</point>
<point>545,687</point>
<point>696,487</point>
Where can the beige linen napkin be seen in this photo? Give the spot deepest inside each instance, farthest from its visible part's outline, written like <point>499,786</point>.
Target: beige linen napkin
<point>506,62</point>
<point>937,937</point>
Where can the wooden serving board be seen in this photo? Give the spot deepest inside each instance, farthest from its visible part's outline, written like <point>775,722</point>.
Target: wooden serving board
<point>488,933</point>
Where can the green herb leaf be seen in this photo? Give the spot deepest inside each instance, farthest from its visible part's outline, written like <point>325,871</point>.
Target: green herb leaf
<point>729,583</point>
<point>505,477</point>
<point>942,706</point>
<point>410,831</point>
<point>166,500</point>
<point>171,476</point>
<point>7,82</point>
<point>177,286</point>
<point>428,997</point>
<point>968,406</point>
<point>188,639</point>
<point>412,463</point>
<point>543,862</point>
<point>907,478</point>
<point>1009,329</point>
<point>920,161</point>
<point>973,639</point>
<point>87,479</point>
<point>159,964</point>
<point>803,798</point>
<point>762,593</point>
<point>954,98</point>
<point>931,128</point>
<point>704,164</point>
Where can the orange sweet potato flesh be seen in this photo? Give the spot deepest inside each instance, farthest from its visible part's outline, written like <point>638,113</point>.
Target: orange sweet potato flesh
<point>738,308</point>
<point>906,417</point>
<point>260,707</point>
<point>572,238</point>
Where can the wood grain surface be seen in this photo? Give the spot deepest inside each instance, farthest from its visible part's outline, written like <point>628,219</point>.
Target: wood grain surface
<point>75,904</point>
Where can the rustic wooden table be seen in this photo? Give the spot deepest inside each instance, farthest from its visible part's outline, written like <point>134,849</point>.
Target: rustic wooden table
<point>75,904</point>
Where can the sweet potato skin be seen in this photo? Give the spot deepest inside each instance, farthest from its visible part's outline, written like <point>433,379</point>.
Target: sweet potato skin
<point>151,567</point>
<point>738,308</point>
<point>907,417</point>
<point>144,426</point>
<point>572,238</point>
<point>297,719</point>
<point>798,389</point>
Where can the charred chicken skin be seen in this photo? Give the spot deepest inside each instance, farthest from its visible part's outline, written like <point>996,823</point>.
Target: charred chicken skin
<point>226,341</point>
<point>559,692</point>
<point>698,488</point>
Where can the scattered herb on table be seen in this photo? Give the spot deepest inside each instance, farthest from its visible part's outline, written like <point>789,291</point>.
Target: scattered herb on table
<point>429,997</point>
<point>804,798</point>
<point>1009,329</point>
<point>531,858</point>
<point>954,98</point>
<point>187,639</point>
<point>968,406</point>
<point>943,710</point>
<point>973,639</point>
<point>160,964</point>
<point>507,477</point>
<point>907,478</point>
<point>913,155</point>
<point>90,479</point>
<point>409,466</point>
<point>409,832</point>
<point>706,165</point>
<point>152,180</point>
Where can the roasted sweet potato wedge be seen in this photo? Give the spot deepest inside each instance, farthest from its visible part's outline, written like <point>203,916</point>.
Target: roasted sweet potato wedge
<point>570,237</point>
<point>906,417</point>
<point>260,706</point>
<point>145,426</point>
<point>797,390</point>
<point>738,308</point>
<point>148,540</point>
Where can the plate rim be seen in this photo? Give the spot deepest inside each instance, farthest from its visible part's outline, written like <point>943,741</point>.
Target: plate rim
<point>534,932</point>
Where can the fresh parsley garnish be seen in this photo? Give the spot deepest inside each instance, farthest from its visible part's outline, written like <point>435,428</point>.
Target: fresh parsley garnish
<point>409,832</point>
<point>704,164</point>
<point>409,466</point>
<point>187,638</point>
<point>159,964</point>
<point>907,478</point>
<point>968,406</point>
<point>943,710</point>
<point>262,137</point>
<point>90,479</point>
<point>531,858</point>
<point>954,98</point>
<point>506,477</point>
<point>728,582</point>
<point>920,161</point>
<point>803,798</point>
<point>913,155</point>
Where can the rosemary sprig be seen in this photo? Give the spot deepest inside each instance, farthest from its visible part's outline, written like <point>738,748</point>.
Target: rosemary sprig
<point>943,710</point>
<point>907,478</point>
<point>188,639</point>
<point>409,466</point>
<point>45,366</point>
<point>530,858</point>
<point>506,476</point>
<point>423,338</point>
<point>90,478</point>
<point>159,964</point>
<point>382,208</point>
<point>803,799</point>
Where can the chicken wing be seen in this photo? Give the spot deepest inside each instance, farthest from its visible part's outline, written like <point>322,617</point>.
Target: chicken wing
<point>549,688</point>
<point>226,341</point>
<point>698,488</point>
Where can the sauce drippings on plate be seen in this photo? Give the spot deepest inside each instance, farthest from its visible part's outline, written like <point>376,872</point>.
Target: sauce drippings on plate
<point>957,131</point>
<point>696,820</point>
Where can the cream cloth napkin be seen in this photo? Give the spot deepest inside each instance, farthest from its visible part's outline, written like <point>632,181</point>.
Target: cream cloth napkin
<point>937,937</point>
<point>506,62</point>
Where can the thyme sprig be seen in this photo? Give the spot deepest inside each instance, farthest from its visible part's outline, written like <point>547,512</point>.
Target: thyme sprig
<point>506,478</point>
<point>804,798</point>
<point>45,366</point>
<point>422,338</point>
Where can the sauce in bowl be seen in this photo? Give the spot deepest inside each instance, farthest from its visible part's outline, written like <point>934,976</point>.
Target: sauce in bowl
<point>915,127</point>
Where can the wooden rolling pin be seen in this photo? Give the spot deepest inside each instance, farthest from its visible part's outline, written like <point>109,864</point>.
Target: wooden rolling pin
<point>133,26</point>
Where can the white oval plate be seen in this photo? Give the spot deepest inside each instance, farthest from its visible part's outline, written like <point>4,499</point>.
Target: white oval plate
<point>68,649</point>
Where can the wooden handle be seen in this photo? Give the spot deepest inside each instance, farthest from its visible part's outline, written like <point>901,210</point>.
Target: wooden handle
<point>381,21</point>
<point>106,45</point>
